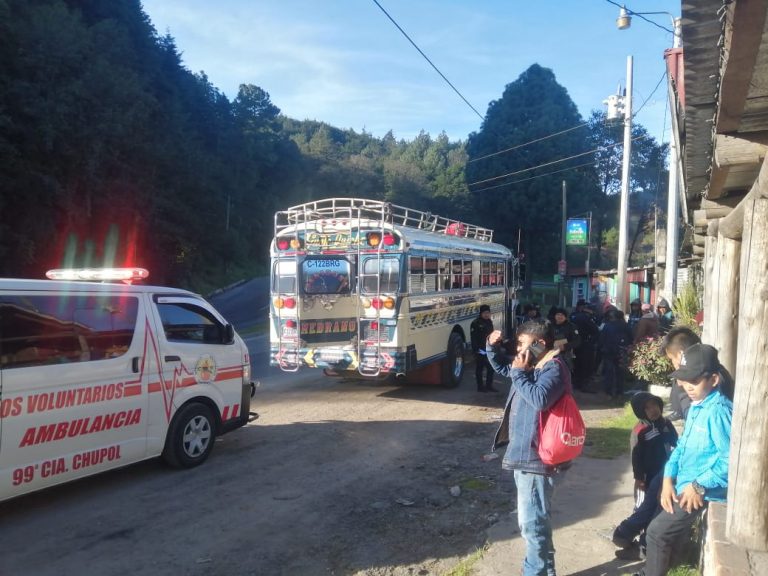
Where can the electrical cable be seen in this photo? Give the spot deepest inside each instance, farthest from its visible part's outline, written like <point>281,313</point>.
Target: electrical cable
<point>428,60</point>
<point>534,177</point>
<point>566,130</point>
<point>552,162</point>
<point>527,143</point>
<point>640,15</point>
<point>663,75</point>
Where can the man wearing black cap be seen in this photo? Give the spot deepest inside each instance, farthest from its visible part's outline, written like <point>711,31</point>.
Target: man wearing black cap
<point>697,470</point>
<point>479,330</point>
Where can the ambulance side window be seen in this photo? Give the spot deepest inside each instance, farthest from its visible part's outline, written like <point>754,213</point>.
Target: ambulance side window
<point>184,322</point>
<point>60,329</point>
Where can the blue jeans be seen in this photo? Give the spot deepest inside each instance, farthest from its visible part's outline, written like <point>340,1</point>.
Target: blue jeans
<point>534,498</point>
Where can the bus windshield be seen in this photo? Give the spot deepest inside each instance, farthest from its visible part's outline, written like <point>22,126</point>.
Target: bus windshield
<point>326,275</point>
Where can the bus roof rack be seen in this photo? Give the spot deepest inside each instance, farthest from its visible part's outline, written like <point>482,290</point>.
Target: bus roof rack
<point>377,210</point>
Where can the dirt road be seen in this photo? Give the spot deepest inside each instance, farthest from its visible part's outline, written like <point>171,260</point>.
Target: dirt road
<point>334,478</point>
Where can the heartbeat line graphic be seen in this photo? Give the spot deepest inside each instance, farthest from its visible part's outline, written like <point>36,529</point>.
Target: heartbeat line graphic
<point>167,386</point>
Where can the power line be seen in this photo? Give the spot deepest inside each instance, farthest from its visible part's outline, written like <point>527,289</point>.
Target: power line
<point>639,15</point>
<point>663,75</point>
<point>552,162</point>
<point>534,177</point>
<point>428,60</point>
<point>527,143</point>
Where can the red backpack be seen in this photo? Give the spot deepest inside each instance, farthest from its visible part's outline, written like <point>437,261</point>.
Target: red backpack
<point>561,428</point>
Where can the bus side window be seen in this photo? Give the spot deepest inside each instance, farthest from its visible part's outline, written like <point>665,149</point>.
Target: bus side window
<point>415,274</point>
<point>430,274</point>
<point>485,273</point>
<point>500,273</point>
<point>444,274</point>
<point>466,281</point>
<point>457,269</point>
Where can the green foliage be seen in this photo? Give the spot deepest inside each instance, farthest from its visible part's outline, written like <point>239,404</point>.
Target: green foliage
<point>466,566</point>
<point>684,571</point>
<point>649,364</point>
<point>114,153</point>
<point>686,306</point>
<point>531,107</point>
<point>610,437</point>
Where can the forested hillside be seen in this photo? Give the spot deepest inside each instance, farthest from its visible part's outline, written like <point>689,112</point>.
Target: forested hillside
<point>112,152</point>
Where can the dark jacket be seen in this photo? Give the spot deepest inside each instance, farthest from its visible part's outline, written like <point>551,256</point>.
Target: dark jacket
<point>651,441</point>
<point>530,393</point>
<point>479,331</point>
<point>567,331</point>
<point>587,328</point>
<point>614,338</point>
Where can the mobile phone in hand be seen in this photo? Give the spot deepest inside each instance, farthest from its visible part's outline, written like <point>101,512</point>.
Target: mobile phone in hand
<point>536,351</point>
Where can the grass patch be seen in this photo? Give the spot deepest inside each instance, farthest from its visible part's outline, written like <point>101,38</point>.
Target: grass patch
<point>476,484</point>
<point>464,568</point>
<point>610,438</point>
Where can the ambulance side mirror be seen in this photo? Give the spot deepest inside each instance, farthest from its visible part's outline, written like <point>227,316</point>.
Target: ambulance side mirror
<point>229,334</point>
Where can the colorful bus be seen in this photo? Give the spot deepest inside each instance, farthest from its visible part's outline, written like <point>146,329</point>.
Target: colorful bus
<point>369,287</point>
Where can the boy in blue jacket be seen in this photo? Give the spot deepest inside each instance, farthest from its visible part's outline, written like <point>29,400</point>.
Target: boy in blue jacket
<point>697,470</point>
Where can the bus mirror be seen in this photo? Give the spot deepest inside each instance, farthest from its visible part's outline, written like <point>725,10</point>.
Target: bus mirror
<point>521,274</point>
<point>229,334</point>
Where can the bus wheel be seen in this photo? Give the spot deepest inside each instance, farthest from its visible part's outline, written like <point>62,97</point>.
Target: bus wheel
<point>190,437</point>
<point>454,363</point>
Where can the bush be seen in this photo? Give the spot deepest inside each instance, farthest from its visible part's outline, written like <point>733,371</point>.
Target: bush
<point>686,306</point>
<point>649,364</point>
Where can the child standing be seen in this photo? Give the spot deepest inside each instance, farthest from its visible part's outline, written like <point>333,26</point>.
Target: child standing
<point>652,441</point>
<point>697,470</point>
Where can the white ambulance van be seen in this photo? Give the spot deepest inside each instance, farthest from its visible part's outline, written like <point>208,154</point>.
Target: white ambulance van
<point>95,376</point>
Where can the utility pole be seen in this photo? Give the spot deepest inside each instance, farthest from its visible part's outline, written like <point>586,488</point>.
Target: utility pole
<point>561,269</point>
<point>621,275</point>
<point>670,265</point>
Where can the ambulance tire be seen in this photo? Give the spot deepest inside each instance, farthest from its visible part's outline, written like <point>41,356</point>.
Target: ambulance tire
<point>190,437</point>
<point>453,367</point>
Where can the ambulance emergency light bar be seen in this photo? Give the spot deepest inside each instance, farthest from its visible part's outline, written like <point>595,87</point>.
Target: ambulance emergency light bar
<point>99,274</point>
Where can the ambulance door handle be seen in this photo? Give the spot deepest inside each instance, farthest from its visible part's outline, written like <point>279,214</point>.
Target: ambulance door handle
<point>173,359</point>
<point>135,364</point>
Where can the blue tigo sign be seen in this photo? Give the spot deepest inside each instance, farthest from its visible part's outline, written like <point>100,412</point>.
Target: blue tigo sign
<point>577,232</point>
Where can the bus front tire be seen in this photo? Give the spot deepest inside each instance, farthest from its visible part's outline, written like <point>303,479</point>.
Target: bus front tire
<point>454,363</point>
<point>190,437</point>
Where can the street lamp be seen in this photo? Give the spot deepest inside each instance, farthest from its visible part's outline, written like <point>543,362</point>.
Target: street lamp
<point>623,22</point>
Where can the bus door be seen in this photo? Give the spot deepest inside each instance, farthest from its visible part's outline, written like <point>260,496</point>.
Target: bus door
<point>72,400</point>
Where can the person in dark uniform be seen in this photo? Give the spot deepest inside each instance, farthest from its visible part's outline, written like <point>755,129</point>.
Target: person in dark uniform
<point>584,363</point>
<point>479,330</point>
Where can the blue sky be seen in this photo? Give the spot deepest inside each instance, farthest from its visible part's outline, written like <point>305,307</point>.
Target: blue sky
<point>343,62</point>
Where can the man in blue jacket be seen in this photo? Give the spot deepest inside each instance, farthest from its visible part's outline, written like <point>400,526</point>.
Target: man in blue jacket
<point>539,378</point>
<point>697,470</point>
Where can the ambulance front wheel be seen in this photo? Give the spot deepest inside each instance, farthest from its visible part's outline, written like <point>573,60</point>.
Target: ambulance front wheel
<point>191,436</point>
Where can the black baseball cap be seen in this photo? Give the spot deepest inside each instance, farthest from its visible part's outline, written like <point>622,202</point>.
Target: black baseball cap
<point>696,361</point>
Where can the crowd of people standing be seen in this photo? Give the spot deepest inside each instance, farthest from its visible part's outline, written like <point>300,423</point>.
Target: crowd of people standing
<point>675,478</point>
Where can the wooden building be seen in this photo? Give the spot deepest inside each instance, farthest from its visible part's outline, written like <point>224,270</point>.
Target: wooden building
<point>719,80</point>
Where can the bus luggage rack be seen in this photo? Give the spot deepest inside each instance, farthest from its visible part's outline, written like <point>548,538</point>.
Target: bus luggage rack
<point>361,208</point>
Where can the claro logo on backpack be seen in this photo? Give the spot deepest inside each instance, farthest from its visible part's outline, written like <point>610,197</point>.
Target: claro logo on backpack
<point>569,440</point>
